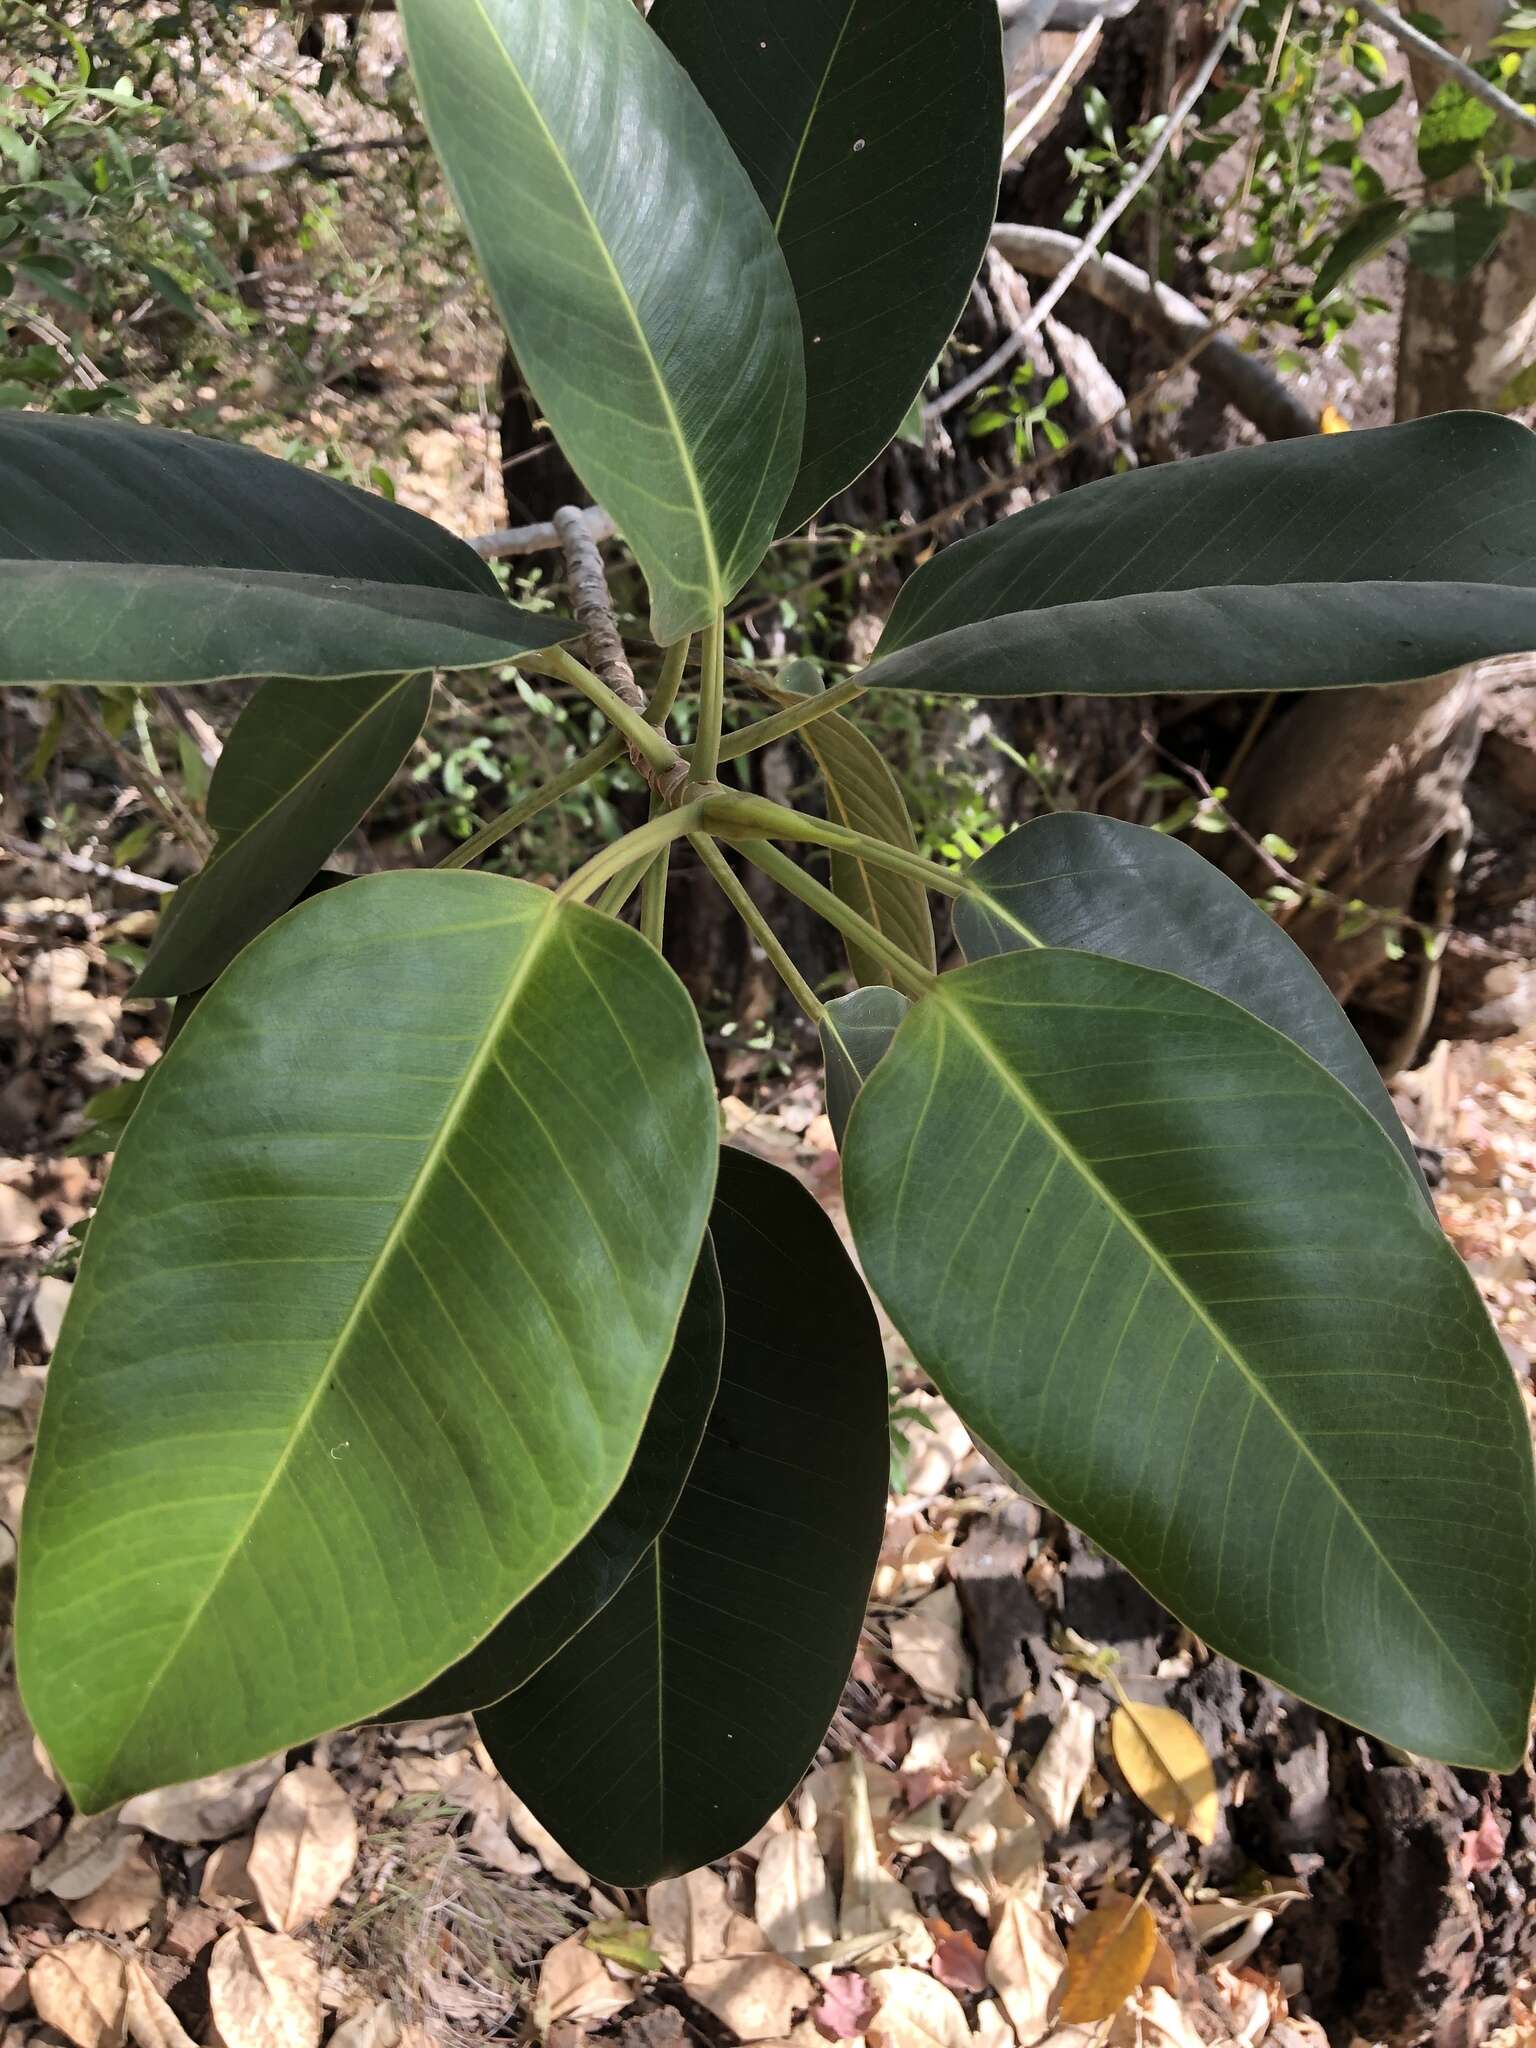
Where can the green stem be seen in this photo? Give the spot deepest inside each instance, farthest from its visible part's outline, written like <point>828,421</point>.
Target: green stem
<point>766,730</point>
<point>758,925</point>
<point>581,770</point>
<point>647,742</point>
<point>706,751</point>
<point>731,815</point>
<point>909,973</point>
<point>653,898</point>
<point>628,851</point>
<point>673,663</point>
<point>621,888</point>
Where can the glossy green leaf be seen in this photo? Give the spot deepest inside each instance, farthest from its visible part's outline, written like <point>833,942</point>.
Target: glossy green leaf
<point>1180,1279</point>
<point>856,1031</point>
<point>873,131</point>
<point>863,794</point>
<point>368,1325</point>
<point>667,1732</point>
<point>1364,235</point>
<point>584,1583</point>
<point>1449,242</point>
<point>134,555</point>
<point>635,271</point>
<point>1374,557</point>
<point>300,769</point>
<point>1097,885</point>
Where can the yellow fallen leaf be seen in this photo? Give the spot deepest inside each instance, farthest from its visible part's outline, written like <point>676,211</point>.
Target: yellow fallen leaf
<point>1333,421</point>
<point>1109,1951</point>
<point>1165,1764</point>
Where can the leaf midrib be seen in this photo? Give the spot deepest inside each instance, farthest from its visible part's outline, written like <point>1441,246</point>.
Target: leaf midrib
<point>810,119</point>
<point>685,453</point>
<point>952,1007</point>
<point>431,1159</point>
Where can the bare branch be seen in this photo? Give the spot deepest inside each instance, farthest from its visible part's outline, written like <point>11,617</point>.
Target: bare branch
<point>24,849</point>
<point>535,540</point>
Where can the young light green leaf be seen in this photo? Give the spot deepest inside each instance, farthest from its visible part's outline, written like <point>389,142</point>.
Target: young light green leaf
<point>636,274</point>
<point>669,1729</point>
<point>856,1031</point>
<point>386,1274</point>
<point>1375,557</point>
<point>873,131</point>
<point>1097,885</point>
<point>583,1584</point>
<point>134,555</point>
<point>1179,1277</point>
<point>1452,129</point>
<point>297,773</point>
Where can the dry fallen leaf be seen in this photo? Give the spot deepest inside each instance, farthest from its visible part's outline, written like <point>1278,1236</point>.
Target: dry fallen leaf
<point>794,1900</point>
<point>18,1853</point>
<point>846,2004</point>
<point>85,1856</point>
<point>992,2028</point>
<point>21,1221</point>
<point>915,2011</point>
<point>226,1876</point>
<point>1002,1832</point>
<point>1108,1953</point>
<point>530,1830</point>
<point>48,1306</point>
<point>872,1900</point>
<point>1165,1764</point>
<point>304,1848</point>
<point>263,1991</point>
<point>376,2027</point>
<point>207,1809</point>
<point>81,1988</point>
<point>1025,1960</point>
<point>929,1644</point>
<point>150,2021</point>
<point>690,1918</point>
<point>757,1997</point>
<point>28,1789</point>
<point>574,1984</point>
<point>1157,2022</point>
<point>125,1901</point>
<point>1059,1773</point>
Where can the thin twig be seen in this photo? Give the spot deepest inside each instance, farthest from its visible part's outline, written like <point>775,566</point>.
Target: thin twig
<point>1408,37</point>
<point>535,540</point>
<point>1024,333</point>
<point>317,157</point>
<point>23,849</point>
<point>1065,76</point>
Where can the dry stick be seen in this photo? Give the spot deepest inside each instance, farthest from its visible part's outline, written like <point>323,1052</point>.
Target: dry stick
<point>1024,333</point>
<point>1066,75</point>
<point>533,540</point>
<point>24,849</point>
<point>1410,38</point>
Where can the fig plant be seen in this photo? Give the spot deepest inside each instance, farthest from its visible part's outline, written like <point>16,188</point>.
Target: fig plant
<point>428,1353</point>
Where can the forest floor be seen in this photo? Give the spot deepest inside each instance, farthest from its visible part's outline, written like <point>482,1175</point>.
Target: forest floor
<point>965,1810</point>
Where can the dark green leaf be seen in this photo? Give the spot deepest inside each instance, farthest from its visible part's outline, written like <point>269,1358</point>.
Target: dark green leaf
<point>872,130</point>
<point>1096,885</point>
<point>1452,129</point>
<point>133,555</point>
<point>855,1032</point>
<point>587,1580</point>
<point>386,1274</point>
<point>1362,237</point>
<point>636,273</point>
<point>1449,242</point>
<point>1371,105</point>
<point>667,1732</point>
<point>1374,557</point>
<point>1180,1279</point>
<point>297,773</point>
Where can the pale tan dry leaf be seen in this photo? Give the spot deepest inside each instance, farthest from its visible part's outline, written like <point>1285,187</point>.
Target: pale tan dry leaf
<point>794,1905</point>
<point>953,1744</point>
<point>48,1306</point>
<point>13,1988</point>
<point>150,2021</point>
<point>85,1855</point>
<point>915,2010</point>
<point>1253,2003</point>
<point>531,1831</point>
<point>490,1841</point>
<point>1003,1833</point>
<point>18,1854</point>
<point>992,2026</point>
<point>226,1876</point>
<point>1164,1762</point>
<point>872,1899</point>
<point>757,1997</point>
<point>376,2027</point>
<point>1154,2020</point>
<point>127,1900</point>
<point>1109,1952</point>
<point>207,1809</point>
<point>1218,1920</point>
<point>1059,1773</point>
<point>690,1918</point>
<point>21,1221</point>
<point>28,1788</point>
<point>928,1642</point>
<point>304,1848</point>
<point>574,1985</point>
<point>81,1988</point>
<point>263,1991</point>
<point>1025,1960</point>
